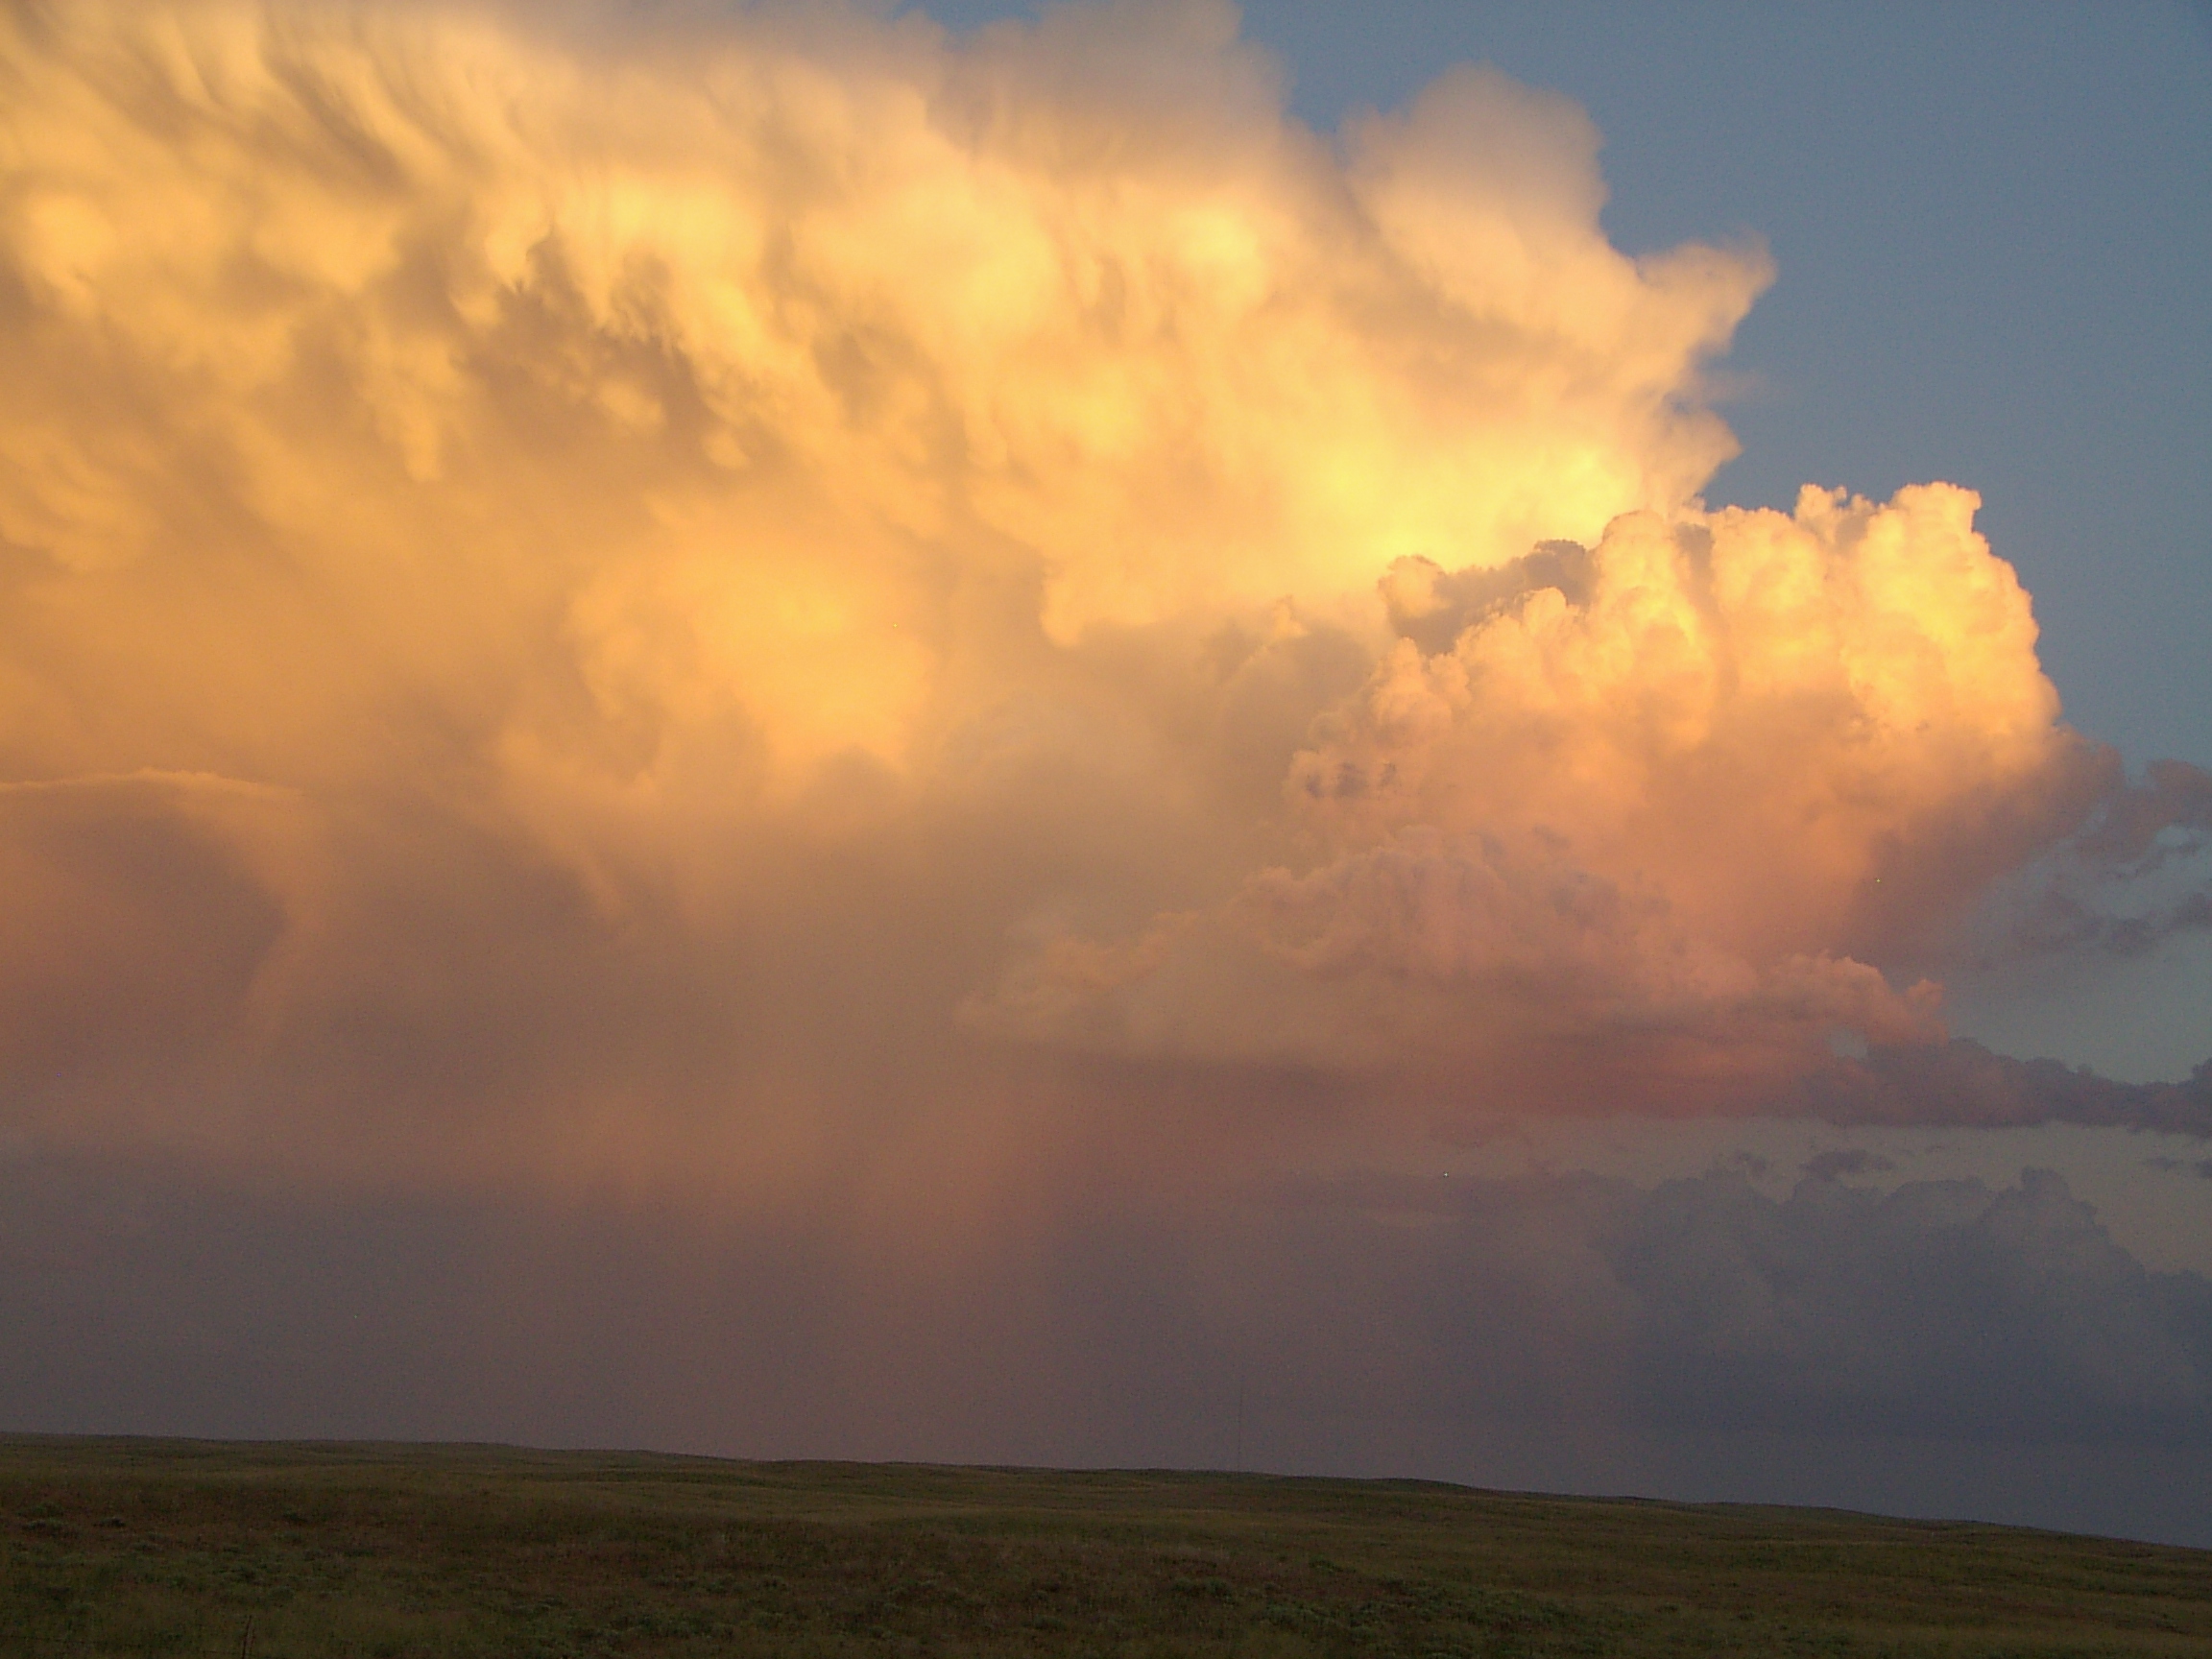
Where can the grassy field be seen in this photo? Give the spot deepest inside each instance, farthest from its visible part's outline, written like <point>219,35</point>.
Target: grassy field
<point>146,1546</point>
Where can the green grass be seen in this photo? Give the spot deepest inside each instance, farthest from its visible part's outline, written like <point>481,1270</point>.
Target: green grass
<point>148,1547</point>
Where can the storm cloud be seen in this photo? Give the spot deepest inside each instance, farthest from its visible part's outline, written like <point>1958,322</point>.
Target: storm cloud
<point>816,708</point>
<point>577,597</point>
<point>1479,1329</point>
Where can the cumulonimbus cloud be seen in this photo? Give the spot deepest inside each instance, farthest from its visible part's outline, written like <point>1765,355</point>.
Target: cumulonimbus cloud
<point>747,585</point>
<point>1654,822</point>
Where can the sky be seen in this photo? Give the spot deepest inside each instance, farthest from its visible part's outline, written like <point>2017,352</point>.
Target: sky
<point>836,733</point>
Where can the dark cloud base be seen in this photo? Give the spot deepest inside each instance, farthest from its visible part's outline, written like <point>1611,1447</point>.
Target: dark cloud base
<point>1963,1083</point>
<point>1944,1349</point>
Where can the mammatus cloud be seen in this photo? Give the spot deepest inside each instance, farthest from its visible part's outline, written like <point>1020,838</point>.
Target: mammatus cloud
<point>799,602</point>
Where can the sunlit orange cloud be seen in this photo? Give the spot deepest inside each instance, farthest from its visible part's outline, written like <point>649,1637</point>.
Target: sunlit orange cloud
<point>1636,821</point>
<point>738,598</point>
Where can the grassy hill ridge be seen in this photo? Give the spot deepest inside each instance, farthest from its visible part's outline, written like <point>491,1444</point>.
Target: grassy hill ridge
<point>310,1549</point>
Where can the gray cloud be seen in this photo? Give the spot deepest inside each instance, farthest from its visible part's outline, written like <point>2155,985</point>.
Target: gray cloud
<point>2133,875</point>
<point>2198,1167</point>
<point>1938,1308</point>
<point>1837,1162</point>
<point>148,1299</point>
<point>1960,1082</point>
